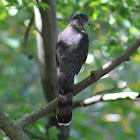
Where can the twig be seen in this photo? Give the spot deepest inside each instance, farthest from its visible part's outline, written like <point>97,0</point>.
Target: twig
<point>108,97</point>
<point>26,38</point>
<point>38,30</point>
<point>95,76</point>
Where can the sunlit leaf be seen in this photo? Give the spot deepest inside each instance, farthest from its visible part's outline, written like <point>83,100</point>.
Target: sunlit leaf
<point>133,30</point>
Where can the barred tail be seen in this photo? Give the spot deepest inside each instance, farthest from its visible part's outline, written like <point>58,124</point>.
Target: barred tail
<point>64,109</point>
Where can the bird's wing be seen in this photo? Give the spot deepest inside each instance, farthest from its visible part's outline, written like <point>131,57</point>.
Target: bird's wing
<point>82,50</point>
<point>71,57</point>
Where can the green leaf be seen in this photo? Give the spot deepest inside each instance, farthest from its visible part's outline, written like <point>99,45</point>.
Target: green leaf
<point>53,133</point>
<point>44,5</point>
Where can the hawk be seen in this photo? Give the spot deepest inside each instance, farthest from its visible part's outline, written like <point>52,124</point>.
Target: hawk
<point>71,52</point>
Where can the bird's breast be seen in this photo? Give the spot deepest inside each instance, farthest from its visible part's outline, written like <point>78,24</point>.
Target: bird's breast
<point>73,40</point>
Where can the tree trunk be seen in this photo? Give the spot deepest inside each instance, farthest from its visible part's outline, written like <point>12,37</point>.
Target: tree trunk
<point>65,132</point>
<point>47,24</point>
<point>46,49</point>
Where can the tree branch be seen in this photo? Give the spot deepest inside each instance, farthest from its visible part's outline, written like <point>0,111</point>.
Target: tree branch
<point>38,30</point>
<point>108,97</point>
<point>12,130</point>
<point>28,119</point>
<point>26,36</point>
<point>30,56</point>
<point>94,76</point>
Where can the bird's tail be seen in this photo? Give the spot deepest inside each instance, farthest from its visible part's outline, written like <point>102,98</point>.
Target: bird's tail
<point>64,109</point>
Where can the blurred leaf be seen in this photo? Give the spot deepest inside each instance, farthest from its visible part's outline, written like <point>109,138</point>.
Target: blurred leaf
<point>133,30</point>
<point>44,5</point>
<point>53,133</point>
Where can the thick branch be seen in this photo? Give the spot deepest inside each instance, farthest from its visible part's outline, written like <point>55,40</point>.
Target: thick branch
<point>95,76</point>
<point>28,119</point>
<point>12,130</point>
<point>108,97</point>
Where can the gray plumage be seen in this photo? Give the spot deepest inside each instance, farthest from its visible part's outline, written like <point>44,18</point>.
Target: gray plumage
<point>71,53</point>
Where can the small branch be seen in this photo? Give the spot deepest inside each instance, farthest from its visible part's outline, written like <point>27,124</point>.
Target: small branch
<point>108,97</point>
<point>26,36</point>
<point>38,30</point>
<point>28,119</point>
<point>96,75</point>
<point>29,8</point>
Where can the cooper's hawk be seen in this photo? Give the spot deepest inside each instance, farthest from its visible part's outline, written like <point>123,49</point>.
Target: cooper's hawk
<point>71,53</point>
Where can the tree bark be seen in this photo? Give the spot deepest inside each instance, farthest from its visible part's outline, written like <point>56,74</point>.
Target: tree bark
<point>11,128</point>
<point>47,24</point>
<point>65,132</point>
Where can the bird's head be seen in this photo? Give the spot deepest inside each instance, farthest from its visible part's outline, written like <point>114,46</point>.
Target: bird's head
<point>80,20</point>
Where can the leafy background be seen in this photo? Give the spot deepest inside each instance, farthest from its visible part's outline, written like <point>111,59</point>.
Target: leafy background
<point>114,26</point>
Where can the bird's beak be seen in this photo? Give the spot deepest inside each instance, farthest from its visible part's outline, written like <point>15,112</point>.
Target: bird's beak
<point>88,22</point>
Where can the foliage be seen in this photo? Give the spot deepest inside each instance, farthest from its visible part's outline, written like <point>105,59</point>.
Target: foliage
<point>114,25</point>
<point>53,133</point>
